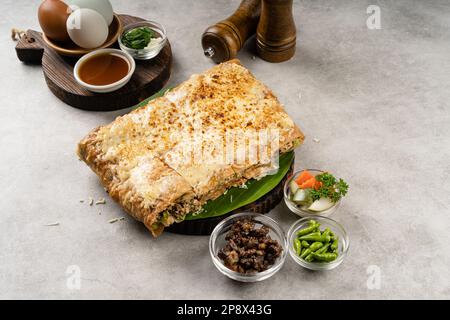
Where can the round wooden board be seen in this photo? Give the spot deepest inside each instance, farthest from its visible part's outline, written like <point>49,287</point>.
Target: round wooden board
<point>262,205</point>
<point>150,75</point>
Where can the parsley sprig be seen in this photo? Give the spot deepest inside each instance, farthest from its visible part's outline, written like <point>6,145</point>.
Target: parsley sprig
<point>331,188</point>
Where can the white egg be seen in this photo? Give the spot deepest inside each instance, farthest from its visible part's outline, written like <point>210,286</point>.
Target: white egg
<point>87,28</point>
<point>103,7</point>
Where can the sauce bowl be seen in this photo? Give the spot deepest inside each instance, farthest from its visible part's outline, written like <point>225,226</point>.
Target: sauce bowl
<point>109,87</point>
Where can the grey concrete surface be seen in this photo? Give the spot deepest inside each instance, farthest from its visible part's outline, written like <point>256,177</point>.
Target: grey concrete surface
<point>378,100</point>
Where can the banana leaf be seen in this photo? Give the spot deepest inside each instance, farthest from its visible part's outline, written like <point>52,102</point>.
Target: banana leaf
<point>238,197</point>
<point>143,103</point>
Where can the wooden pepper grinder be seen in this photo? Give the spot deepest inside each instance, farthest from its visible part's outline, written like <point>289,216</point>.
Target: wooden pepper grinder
<point>222,41</point>
<point>276,33</point>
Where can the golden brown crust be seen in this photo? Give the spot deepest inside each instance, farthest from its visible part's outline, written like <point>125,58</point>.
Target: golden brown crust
<point>136,155</point>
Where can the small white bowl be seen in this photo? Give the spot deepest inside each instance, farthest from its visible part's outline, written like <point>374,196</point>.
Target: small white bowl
<point>110,87</point>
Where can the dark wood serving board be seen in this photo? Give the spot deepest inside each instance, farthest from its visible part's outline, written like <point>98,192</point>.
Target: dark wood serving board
<point>150,75</point>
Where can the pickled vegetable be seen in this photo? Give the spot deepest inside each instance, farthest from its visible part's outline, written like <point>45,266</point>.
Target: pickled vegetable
<point>315,245</point>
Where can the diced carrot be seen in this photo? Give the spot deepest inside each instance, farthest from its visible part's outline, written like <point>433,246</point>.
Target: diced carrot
<point>317,185</point>
<point>309,184</point>
<point>303,177</point>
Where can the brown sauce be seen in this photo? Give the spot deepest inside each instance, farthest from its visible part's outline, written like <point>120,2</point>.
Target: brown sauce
<point>103,69</point>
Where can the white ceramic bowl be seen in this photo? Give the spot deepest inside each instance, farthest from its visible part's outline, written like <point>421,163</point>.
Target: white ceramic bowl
<point>110,87</point>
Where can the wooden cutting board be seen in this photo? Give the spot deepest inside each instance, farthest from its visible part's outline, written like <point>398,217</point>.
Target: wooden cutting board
<point>150,75</point>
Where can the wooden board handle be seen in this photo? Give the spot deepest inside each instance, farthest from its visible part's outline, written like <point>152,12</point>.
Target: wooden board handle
<point>30,47</point>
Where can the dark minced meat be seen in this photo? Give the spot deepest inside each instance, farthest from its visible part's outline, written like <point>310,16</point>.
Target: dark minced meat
<point>249,249</point>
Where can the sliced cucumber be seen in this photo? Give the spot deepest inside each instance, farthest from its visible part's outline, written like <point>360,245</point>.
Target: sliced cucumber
<point>321,205</point>
<point>293,186</point>
<point>301,197</point>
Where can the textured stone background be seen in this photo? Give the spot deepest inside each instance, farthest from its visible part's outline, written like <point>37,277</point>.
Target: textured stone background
<point>378,100</point>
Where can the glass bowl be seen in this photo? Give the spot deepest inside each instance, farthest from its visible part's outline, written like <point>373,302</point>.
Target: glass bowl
<point>155,46</point>
<point>217,242</point>
<point>325,222</point>
<point>297,209</point>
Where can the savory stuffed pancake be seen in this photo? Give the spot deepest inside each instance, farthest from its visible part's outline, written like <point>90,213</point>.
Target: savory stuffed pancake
<point>215,131</point>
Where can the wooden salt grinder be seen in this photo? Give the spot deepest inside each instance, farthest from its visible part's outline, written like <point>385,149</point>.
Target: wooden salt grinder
<point>276,33</point>
<point>222,41</point>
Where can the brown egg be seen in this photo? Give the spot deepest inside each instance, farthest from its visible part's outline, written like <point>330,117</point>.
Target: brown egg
<point>53,15</point>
